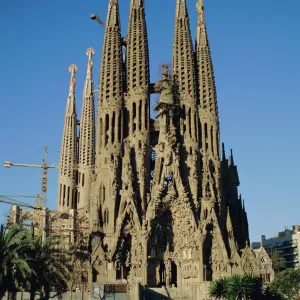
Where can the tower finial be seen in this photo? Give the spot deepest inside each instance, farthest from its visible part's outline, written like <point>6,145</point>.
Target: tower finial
<point>72,69</point>
<point>199,6</point>
<point>200,10</point>
<point>90,52</point>
<point>181,9</point>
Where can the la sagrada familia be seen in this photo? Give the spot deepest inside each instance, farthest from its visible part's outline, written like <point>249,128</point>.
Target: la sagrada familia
<point>158,198</point>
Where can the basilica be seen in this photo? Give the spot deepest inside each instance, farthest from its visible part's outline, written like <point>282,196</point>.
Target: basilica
<point>153,201</point>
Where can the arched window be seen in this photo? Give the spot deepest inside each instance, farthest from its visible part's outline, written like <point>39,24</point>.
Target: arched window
<point>212,139</point>
<point>101,133</point>
<point>106,128</point>
<point>190,121</point>
<point>106,217</point>
<point>133,117</point>
<point>68,197</point>
<point>113,127</point>
<point>140,115</point>
<point>146,115</point>
<point>60,194</point>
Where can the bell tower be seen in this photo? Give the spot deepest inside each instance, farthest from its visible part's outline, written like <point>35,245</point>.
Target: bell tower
<point>106,184</point>
<point>67,181</point>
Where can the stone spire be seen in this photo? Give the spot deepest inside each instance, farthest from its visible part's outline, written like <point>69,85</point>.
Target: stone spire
<point>208,108</point>
<point>110,86</point>
<point>245,225</point>
<point>137,55</point>
<point>137,99</point>
<point>67,192</point>
<point>185,87</point>
<point>87,139</point>
<point>110,81</point>
<point>183,56</point>
<point>208,112</point>
<point>106,186</point>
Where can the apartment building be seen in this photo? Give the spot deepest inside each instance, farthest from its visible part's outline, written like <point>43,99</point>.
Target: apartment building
<point>286,242</point>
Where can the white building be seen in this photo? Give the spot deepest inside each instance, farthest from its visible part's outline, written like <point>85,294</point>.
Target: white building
<point>287,243</point>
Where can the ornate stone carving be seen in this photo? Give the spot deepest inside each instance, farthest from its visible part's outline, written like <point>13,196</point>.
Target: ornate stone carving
<point>152,220</point>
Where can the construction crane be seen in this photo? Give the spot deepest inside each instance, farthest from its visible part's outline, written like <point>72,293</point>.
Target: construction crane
<point>9,200</point>
<point>15,213</point>
<point>97,19</point>
<point>18,196</point>
<point>41,200</point>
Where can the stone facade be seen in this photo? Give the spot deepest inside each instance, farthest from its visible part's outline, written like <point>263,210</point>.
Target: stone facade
<point>159,202</point>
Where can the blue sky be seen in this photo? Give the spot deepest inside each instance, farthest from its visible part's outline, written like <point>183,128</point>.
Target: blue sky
<point>255,48</point>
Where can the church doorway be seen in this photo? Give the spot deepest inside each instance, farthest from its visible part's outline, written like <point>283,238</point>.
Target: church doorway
<point>207,254</point>
<point>162,273</point>
<point>94,275</point>
<point>173,280</point>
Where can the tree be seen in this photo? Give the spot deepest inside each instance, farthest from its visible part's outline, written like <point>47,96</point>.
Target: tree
<point>241,288</point>
<point>244,287</point>
<point>219,289</point>
<point>269,294</point>
<point>14,268</point>
<point>50,267</point>
<point>287,284</point>
<point>278,262</point>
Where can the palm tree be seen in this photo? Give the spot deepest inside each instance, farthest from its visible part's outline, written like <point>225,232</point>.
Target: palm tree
<point>238,288</point>
<point>50,266</point>
<point>219,288</point>
<point>241,286</point>
<point>14,268</point>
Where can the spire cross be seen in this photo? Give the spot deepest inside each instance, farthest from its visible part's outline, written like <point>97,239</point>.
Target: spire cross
<point>200,6</point>
<point>200,10</point>
<point>72,70</point>
<point>90,52</point>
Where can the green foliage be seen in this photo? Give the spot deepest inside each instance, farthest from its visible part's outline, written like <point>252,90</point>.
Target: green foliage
<point>14,268</point>
<point>28,262</point>
<point>50,265</point>
<point>219,289</point>
<point>287,284</point>
<point>278,262</point>
<point>241,288</point>
<point>269,294</point>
